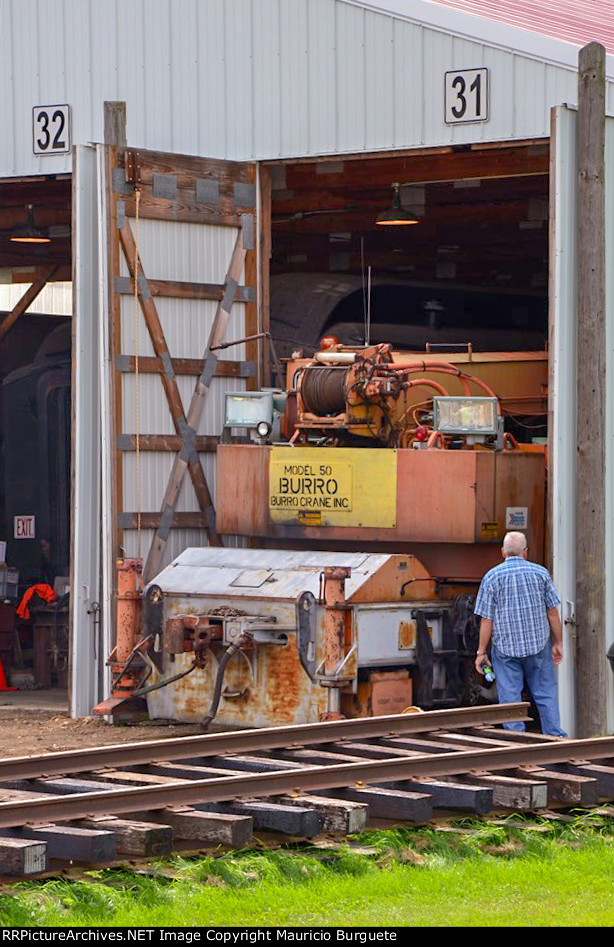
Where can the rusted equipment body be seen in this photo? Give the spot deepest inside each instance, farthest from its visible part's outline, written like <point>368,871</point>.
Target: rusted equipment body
<point>330,635</point>
<point>399,476</point>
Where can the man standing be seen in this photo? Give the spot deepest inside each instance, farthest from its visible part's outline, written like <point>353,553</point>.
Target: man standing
<point>518,605</point>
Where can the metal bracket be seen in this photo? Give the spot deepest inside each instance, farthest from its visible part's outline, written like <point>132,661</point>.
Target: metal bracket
<point>336,676</point>
<point>132,167</point>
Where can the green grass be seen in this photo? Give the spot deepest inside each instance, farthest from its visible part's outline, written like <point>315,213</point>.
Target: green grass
<point>471,873</point>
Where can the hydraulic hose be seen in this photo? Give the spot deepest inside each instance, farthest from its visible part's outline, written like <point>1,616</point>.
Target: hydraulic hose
<point>219,678</point>
<point>169,680</point>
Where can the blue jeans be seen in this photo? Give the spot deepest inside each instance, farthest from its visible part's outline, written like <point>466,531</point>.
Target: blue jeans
<point>538,672</point>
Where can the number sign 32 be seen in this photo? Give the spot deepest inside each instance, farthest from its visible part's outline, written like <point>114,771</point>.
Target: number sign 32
<point>466,96</point>
<point>51,129</point>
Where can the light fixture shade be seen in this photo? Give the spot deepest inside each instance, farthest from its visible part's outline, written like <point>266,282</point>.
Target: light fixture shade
<point>396,216</point>
<point>28,232</point>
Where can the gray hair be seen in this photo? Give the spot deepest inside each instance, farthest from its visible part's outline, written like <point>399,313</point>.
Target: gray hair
<point>514,544</point>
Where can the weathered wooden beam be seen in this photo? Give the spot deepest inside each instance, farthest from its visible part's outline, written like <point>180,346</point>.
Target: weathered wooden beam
<point>217,828</point>
<point>416,744</point>
<point>148,520</point>
<point>603,774</point>
<point>69,842</point>
<point>26,300</point>
<point>564,787</point>
<point>591,662</point>
<point>132,837</point>
<point>115,124</point>
<point>250,764</point>
<point>271,816</point>
<point>370,751</point>
<point>511,736</point>
<point>389,803</point>
<point>129,778</point>
<point>182,289</point>
<point>452,795</point>
<point>314,757</point>
<point>509,793</point>
<point>187,210</point>
<point>22,857</point>
<point>149,365</point>
<point>165,442</point>
<point>337,816</point>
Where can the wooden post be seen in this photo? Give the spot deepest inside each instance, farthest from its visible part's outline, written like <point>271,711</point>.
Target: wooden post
<point>590,508</point>
<point>115,124</point>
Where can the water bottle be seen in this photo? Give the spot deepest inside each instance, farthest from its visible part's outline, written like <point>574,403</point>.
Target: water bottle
<point>489,674</point>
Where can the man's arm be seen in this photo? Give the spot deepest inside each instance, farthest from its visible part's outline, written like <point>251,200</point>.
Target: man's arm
<point>485,634</point>
<point>556,634</point>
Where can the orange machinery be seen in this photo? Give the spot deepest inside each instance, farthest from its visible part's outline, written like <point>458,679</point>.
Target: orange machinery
<point>366,419</point>
<point>372,504</point>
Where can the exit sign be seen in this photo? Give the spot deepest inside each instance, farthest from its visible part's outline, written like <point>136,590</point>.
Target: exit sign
<point>24,527</point>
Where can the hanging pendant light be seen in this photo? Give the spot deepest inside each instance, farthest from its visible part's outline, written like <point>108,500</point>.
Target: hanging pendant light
<point>28,232</point>
<point>396,216</point>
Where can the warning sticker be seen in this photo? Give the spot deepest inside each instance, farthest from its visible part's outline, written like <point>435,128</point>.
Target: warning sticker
<point>516,517</point>
<point>489,531</point>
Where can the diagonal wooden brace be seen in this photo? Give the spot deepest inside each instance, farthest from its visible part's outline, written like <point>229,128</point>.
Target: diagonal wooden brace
<point>188,459</point>
<point>216,337</point>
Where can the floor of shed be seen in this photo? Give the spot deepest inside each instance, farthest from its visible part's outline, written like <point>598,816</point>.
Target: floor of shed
<point>33,722</point>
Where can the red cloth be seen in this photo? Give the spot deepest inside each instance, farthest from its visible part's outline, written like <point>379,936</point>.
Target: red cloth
<point>43,591</point>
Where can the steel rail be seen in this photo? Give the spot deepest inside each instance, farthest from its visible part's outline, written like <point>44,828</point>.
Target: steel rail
<point>189,792</point>
<point>252,741</point>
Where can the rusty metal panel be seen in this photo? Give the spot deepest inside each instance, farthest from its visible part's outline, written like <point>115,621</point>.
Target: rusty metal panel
<point>521,482</point>
<point>279,693</point>
<point>242,489</point>
<point>428,510</point>
<point>485,484</point>
<point>379,631</point>
<point>205,573</point>
<point>391,693</point>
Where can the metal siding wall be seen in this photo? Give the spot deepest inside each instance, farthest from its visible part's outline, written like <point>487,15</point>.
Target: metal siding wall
<point>240,17</point>
<point>294,89</point>
<point>157,107</point>
<point>563,345</point>
<point>258,78</point>
<point>349,134</point>
<point>379,80</point>
<point>321,75</point>
<point>213,111</point>
<point>174,251</point>
<point>407,95</point>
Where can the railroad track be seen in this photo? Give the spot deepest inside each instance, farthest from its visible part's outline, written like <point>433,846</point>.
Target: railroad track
<point>101,804</point>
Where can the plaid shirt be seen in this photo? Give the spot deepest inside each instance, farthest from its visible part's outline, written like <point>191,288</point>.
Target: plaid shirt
<point>516,595</point>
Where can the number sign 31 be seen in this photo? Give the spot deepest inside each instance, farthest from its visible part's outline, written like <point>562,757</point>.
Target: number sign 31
<point>466,98</point>
<point>51,129</point>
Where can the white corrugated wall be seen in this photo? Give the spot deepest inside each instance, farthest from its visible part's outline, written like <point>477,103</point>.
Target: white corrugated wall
<point>249,79</point>
<point>174,251</point>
